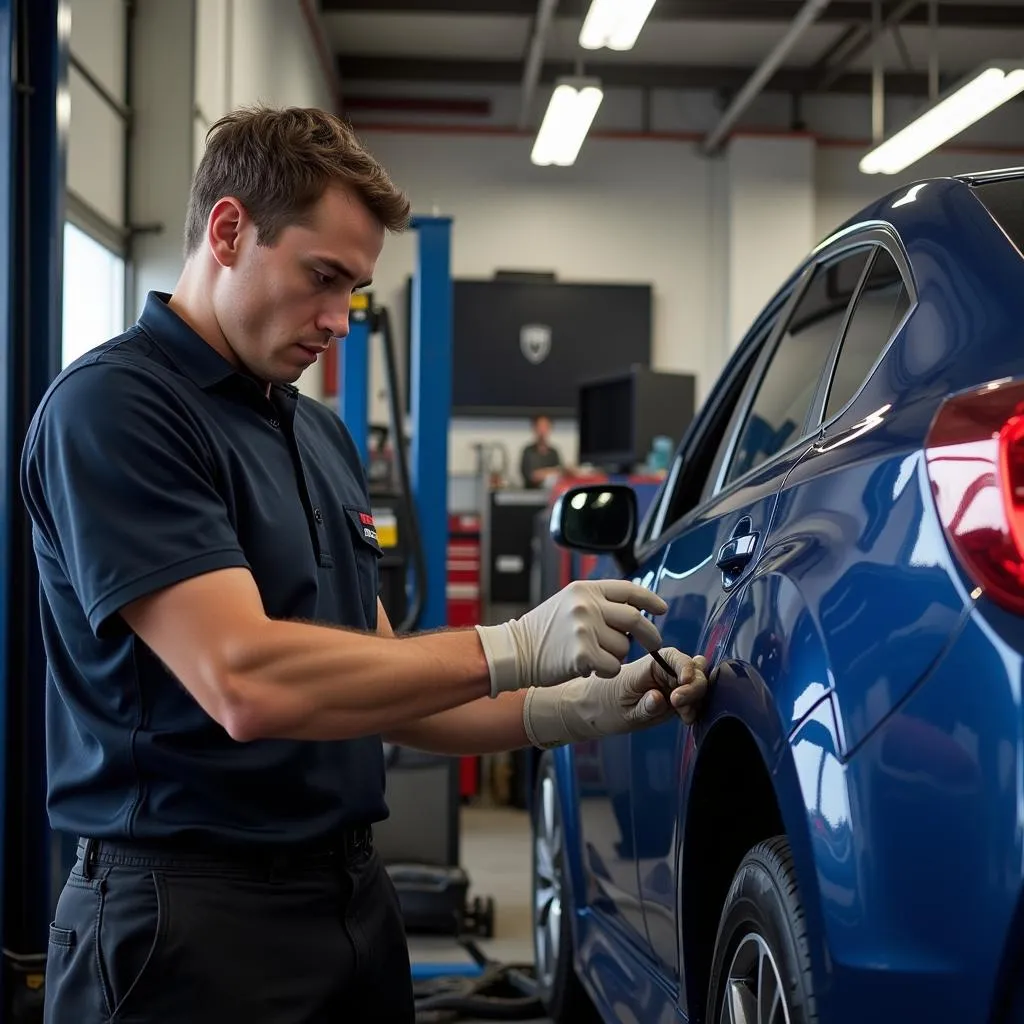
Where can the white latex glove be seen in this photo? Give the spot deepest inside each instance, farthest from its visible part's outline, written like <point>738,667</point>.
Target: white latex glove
<point>578,631</point>
<point>587,709</point>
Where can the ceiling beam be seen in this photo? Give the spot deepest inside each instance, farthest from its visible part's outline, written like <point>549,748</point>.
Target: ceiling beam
<point>862,39</point>
<point>612,74</point>
<point>951,15</point>
<point>759,78</point>
<point>535,56</point>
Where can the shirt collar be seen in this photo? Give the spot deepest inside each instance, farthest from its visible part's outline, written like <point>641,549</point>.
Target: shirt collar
<point>194,356</point>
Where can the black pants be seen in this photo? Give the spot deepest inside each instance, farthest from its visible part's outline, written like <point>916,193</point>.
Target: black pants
<point>165,938</point>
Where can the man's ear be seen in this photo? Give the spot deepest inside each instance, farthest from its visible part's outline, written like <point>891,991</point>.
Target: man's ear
<point>224,230</point>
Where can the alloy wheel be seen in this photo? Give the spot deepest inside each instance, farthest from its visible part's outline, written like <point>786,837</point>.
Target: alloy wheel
<point>547,890</point>
<point>754,993</point>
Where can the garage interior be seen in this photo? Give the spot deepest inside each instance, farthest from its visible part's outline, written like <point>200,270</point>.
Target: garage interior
<point>730,138</point>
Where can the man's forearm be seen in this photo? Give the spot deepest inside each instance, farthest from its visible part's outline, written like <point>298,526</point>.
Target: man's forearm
<point>299,681</point>
<point>481,727</point>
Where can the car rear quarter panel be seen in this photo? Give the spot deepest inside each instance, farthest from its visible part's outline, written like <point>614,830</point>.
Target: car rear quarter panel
<point>930,865</point>
<point>856,551</point>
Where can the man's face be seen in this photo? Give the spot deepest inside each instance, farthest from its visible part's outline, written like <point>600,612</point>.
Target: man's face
<point>281,306</point>
<point>543,429</point>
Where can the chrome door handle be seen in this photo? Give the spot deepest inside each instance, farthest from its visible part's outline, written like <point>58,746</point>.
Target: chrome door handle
<point>736,554</point>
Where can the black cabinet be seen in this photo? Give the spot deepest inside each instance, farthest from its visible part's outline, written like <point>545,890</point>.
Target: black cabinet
<point>508,539</point>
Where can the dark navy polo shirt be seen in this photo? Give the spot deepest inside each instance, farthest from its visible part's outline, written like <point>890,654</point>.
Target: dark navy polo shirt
<point>149,461</point>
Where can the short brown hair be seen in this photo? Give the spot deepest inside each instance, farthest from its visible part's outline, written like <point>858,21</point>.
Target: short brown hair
<point>278,163</point>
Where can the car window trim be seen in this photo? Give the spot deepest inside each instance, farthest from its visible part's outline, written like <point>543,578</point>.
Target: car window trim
<point>828,255</point>
<point>654,527</point>
<point>864,233</point>
<point>883,236</point>
<point>856,236</point>
<point>655,523</point>
<point>715,481</point>
<point>819,399</point>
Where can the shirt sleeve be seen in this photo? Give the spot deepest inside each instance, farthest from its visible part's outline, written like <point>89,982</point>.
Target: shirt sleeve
<point>120,484</point>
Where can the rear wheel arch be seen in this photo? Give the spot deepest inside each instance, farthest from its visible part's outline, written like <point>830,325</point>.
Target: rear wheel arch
<point>731,807</point>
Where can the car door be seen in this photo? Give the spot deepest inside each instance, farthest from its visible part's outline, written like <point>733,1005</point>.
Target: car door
<point>603,781</point>
<point>710,539</point>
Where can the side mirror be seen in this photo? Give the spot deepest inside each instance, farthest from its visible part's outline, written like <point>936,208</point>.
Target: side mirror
<point>597,519</point>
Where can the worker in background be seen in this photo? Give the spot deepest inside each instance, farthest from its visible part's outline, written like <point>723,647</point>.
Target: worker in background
<point>540,460</point>
<point>220,671</point>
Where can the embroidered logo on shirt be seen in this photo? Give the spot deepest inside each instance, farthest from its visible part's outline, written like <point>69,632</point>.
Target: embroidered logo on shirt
<point>369,532</point>
<point>365,519</point>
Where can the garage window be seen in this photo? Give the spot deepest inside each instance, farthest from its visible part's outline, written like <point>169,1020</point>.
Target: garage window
<point>94,308</point>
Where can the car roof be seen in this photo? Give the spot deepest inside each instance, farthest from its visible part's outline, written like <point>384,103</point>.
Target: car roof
<point>884,202</point>
<point>984,177</point>
<point>881,210</point>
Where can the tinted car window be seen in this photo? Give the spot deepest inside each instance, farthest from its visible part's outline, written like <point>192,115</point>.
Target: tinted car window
<point>1005,201</point>
<point>783,398</point>
<point>694,472</point>
<point>880,308</point>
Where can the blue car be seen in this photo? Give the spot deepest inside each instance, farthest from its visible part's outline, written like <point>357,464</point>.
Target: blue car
<point>840,836</point>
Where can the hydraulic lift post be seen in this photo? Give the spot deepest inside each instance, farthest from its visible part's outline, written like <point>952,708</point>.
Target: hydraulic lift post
<point>354,371</point>
<point>430,346</point>
<point>33,122</point>
<point>431,399</point>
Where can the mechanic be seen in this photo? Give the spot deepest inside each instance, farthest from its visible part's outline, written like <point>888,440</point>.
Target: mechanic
<point>540,461</point>
<point>220,670</point>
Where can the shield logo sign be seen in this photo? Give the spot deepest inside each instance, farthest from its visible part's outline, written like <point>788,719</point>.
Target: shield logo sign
<point>535,342</point>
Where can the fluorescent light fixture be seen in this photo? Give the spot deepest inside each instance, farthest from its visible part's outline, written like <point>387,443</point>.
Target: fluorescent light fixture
<point>568,118</point>
<point>615,24</point>
<point>979,95</point>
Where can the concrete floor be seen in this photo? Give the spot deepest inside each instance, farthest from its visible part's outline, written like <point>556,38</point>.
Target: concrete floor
<point>496,854</point>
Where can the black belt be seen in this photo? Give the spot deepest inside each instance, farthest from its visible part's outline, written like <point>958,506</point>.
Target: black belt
<point>345,846</point>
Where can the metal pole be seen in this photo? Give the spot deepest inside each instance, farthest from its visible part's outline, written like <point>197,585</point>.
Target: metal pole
<point>8,473</point>
<point>877,85</point>
<point>933,50</point>
<point>535,57</point>
<point>37,31</point>
<point>857,42</point>
<point>806,17</point>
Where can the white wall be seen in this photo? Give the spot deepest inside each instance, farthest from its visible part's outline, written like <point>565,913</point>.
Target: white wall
<point>841,190</point>
<point>254,51</point>
<point>770,185</point>
<point>630,210</point>
<point>624,213</point>
<point>187,74</point>
<point>635,207</point>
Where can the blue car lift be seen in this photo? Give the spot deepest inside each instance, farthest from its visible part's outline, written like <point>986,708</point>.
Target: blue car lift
<point>34,63</point>
<point>430,400</point>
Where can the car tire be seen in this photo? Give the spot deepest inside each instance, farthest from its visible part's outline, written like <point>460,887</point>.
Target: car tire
<point>558,988</point>
<point>761,966</point>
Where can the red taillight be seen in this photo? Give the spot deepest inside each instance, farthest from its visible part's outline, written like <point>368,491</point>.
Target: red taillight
<point>975,455</point>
